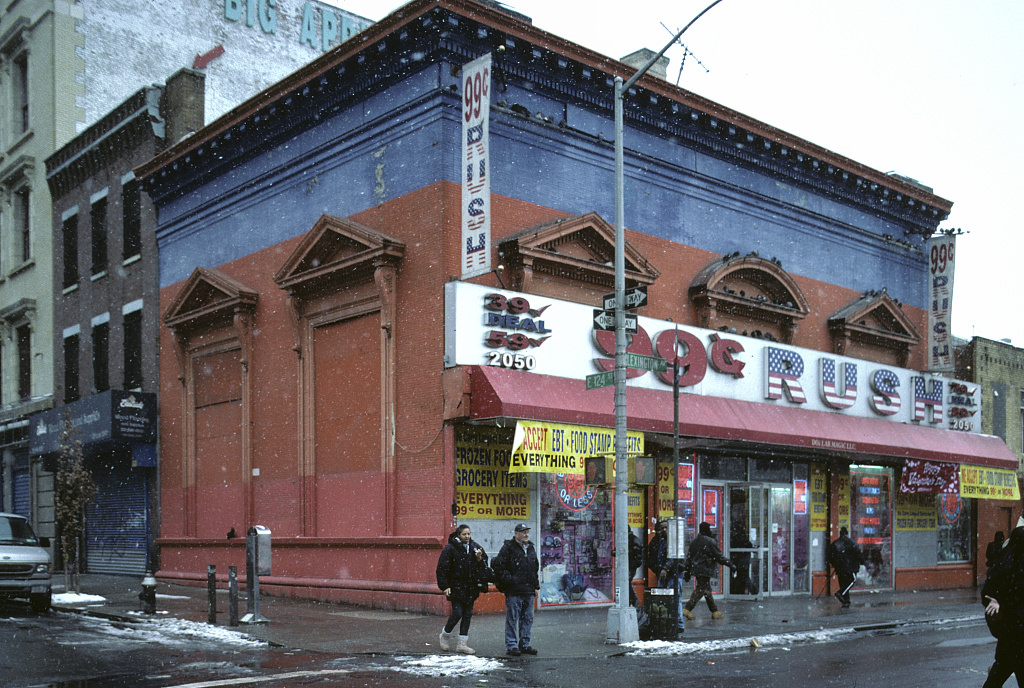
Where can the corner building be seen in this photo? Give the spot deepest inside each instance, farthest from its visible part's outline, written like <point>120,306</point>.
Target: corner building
<point>331,371</point>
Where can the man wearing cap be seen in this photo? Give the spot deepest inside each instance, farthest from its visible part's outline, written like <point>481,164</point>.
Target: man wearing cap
<point>516,570</point>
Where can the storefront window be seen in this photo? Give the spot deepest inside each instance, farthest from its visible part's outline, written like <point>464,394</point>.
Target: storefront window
<point>871,522</point>
<point>575,541</point>
<point>954,528</point>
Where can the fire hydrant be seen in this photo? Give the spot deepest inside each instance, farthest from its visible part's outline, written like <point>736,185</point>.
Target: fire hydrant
<point>148,594</point>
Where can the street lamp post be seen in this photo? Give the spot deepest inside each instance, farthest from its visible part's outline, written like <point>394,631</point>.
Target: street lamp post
<point>622,627</point>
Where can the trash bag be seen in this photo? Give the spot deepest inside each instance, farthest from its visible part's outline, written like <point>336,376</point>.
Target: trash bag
<point>643,623</point>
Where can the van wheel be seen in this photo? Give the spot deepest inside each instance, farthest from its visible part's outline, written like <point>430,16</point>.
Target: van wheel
<point>40,602</point>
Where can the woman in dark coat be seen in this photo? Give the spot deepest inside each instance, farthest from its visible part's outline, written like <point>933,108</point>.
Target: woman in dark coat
<point>461,570</point>
<point>1003,597</point>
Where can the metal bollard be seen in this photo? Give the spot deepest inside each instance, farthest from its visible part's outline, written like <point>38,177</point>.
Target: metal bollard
<point>232,595</point>
<point>148,594</point>
<point>211,592</point>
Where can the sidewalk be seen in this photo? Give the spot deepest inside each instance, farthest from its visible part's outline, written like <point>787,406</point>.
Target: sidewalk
<point>574,632</point>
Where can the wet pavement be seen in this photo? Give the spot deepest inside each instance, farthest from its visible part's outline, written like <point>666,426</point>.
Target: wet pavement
<point>562,632</point>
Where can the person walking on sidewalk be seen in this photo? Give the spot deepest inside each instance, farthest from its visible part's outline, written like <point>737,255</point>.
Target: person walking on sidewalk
<point>845,558</point>
<point>516,573</point>
<point>461,570</point>
<point>1003,597</point>
<point>702,560</point>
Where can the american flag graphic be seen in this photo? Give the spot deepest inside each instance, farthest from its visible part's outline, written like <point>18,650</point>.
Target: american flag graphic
<point>838,396</point>
<point>924,400</point>
<point>782,373</point>
<point>886,399</point>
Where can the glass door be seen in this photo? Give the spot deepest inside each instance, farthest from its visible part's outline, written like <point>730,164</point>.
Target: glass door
<point>781,534</point>
<point>747,544</point>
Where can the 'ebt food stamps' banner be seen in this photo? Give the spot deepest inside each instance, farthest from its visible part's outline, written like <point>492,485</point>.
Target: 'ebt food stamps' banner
<point>559,448</point>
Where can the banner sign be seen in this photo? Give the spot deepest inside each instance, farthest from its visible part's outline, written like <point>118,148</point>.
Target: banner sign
<point>916,512</point>
<point>476,177</point>
<point>485,326</point>
<point>819,498</point>
<point>483,486</point>
<point>539,447</point>
<point>928,477</point>
<point>988,483</point>
<point>941,253</point>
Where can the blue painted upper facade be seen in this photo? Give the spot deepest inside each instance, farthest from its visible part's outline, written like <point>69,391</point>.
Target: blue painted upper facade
<point>378,118</point>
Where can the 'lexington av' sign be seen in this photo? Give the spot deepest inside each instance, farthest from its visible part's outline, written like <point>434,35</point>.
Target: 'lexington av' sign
<point>498,327</point>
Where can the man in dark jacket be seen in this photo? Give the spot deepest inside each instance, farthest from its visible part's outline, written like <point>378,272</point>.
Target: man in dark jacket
<point>702,560</point>
<point>845,558</point>
<point>461,570</point>
<point>516,573</point>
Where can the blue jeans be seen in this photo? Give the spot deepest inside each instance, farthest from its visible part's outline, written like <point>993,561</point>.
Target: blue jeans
<point>518,620</point>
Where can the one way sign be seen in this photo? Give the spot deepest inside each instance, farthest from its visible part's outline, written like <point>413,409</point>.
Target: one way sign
<point>636,297</point>
<point>605,320</point>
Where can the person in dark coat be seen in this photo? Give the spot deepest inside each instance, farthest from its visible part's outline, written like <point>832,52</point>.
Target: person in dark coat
<point>636,560</point>
<point>665,568</point>
<point>702,560</point>
<point>461,570</point>
<point>517,575</point>
<point>845,558</point>
<point>1003,597</point>
<point>994,549</point>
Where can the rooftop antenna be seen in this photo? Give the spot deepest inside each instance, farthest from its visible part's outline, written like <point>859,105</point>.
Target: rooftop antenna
<point>686,51</point>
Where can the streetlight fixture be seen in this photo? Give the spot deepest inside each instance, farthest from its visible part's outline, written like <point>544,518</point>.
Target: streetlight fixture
<point>622,626</point>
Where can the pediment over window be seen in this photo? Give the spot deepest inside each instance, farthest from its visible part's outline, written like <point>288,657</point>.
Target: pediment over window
<point>336,252</point>
<point>208,297</point>
<point>750,295</point>
<point>875,321</point>
<point>576,249</point>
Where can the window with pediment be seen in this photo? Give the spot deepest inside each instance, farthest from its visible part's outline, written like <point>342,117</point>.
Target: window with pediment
<point>572,259</point>
<point>211,320</point>
<point>874,327</point>
<point>340,281</point>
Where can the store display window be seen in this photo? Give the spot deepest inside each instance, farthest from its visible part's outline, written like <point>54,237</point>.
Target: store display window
<point>871,505</point>
<point>576,541</point>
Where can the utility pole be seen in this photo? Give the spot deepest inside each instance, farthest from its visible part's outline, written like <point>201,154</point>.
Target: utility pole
<point>622,627</point>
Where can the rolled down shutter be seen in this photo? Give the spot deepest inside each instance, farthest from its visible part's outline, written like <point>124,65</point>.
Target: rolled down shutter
<point>117,525</point>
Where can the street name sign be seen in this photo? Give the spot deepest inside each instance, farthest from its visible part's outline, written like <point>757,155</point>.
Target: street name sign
<point>651,363</point>
<point>605,379</point>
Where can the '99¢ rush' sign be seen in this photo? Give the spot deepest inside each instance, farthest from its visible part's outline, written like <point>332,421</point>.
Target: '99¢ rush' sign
<point>515,329</point>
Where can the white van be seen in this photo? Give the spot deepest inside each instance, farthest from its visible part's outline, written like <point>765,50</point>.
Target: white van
<point>24,563</point>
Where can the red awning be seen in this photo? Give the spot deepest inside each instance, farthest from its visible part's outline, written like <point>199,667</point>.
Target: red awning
<point>502,393</point>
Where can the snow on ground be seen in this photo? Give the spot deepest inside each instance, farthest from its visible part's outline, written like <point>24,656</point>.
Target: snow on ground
<point>653,648</point>
<point>77,599</point>
<point>446,665</point>
<point>171,631</point>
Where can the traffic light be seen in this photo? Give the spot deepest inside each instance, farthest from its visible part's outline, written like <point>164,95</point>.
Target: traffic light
<point>597,470</point>
<point>641,470</point>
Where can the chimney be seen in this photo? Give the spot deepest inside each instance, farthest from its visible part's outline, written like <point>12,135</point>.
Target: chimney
<point>184,104</point>
<point>642,57</point>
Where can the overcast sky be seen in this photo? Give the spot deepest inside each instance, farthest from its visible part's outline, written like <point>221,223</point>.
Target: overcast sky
<point>931,89</point>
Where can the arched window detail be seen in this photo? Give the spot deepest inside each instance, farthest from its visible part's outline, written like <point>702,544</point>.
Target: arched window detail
<point>748,295</point>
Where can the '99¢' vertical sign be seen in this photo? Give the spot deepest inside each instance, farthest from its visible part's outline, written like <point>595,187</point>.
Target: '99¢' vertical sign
<point>941,261</point>
<point>476,181</point>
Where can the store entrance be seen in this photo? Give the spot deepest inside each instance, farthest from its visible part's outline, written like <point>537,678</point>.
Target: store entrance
<point>759,528</point>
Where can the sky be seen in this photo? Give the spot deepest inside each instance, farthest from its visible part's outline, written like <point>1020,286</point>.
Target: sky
<point>930,89</point>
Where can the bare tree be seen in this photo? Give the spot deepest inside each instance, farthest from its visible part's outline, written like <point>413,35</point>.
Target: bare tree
<point>73,490</point>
